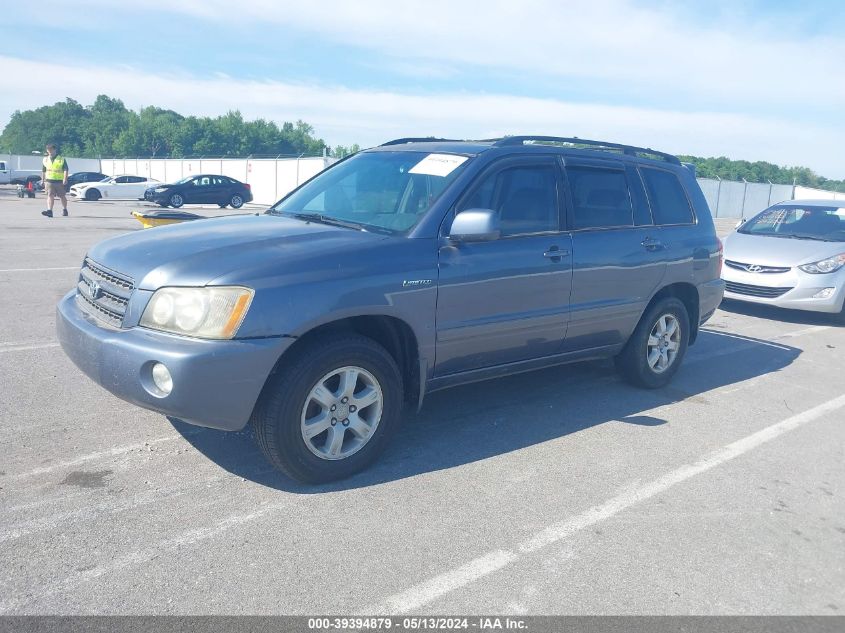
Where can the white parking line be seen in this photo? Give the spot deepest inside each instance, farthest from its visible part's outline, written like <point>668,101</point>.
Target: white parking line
<point>143,556</point>
<point>35,270</point>
<point>423,593</point>
<point>24,348</point>
<point>748,339</point>
<point>118,450</point>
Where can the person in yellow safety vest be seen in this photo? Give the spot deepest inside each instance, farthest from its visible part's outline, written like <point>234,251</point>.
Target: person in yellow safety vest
<point>54,170</point>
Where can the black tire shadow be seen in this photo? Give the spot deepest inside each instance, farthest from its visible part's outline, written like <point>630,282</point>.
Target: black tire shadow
<point>773,313</point>
<point>470,423</point>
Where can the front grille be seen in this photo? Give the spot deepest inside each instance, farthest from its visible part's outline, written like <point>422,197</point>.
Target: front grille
<point>762,269</point>
<point>102,293</point>
<point>767,292</point>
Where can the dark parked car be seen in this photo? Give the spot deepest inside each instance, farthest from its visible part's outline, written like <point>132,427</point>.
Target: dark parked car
<point>203,189</point>
<point>84,176</point>
<point>401,270</point>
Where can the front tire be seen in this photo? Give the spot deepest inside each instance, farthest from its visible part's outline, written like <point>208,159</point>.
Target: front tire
<point>331,410</point>
<point>93,195</point>
<point>176,200</point>
<point>657,347</point>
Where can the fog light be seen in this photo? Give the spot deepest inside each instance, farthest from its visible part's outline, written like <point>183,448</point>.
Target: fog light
<point>162,378</point>
<point>824,294</point>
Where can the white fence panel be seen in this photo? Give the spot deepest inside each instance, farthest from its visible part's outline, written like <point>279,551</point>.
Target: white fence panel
<point>808,193</point>
<point>757,198</point>
<point>262,180</point>
<point>234,168</point>
<point>157,170</point>
<point>172,170</point>
<point>204,166</point>
<point>710,189</point>
<point>310,167</point>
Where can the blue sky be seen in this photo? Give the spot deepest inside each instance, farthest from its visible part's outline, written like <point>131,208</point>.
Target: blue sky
<point>754,80</point>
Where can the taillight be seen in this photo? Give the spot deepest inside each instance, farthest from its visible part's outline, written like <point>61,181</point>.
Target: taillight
<point>248,186</point>
<point>721,255</point>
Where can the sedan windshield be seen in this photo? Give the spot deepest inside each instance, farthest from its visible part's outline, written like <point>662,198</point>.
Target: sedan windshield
<point>826,224</point>
<point>386,191</point>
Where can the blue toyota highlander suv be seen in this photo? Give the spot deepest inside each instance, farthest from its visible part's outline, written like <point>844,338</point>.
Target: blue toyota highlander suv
<point>407,268</point>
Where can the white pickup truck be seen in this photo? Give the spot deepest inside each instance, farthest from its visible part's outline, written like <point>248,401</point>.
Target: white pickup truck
<point>9,176</point>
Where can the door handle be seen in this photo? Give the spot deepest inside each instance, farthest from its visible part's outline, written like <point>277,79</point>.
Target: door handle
<point>554,253</point>
<point>651,244</point>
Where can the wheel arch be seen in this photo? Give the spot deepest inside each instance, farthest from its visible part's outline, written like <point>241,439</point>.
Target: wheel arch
<point>391,332</point>
<point>687,293</point>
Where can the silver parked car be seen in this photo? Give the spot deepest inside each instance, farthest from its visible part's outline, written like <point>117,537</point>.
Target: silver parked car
<point>792,255</point>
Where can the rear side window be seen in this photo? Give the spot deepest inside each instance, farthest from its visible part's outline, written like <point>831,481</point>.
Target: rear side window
<point>669,203</point>
<point>600,198</point>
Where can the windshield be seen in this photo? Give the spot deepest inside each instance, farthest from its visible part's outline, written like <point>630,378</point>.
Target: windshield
<point>184,180</point>
<point>797,222</point>
<point>388,191</point>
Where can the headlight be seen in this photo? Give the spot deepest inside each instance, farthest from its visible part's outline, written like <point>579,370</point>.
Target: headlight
<point>829,265</point>
<point>160,189</point>
<point>213,312</point>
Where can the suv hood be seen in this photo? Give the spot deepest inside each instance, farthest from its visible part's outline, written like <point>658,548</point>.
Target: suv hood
<point>777,251</point>
<point>198,252</point>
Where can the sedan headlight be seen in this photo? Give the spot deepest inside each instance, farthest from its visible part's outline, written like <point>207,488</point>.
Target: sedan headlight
<point>213,312</point>
<point>829,265</point>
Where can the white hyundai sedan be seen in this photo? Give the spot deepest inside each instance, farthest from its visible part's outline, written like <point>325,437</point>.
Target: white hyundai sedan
<point>792,255</point>
<point>113,188</point>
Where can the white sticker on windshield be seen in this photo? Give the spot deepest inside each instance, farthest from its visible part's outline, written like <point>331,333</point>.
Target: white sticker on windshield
<point>438,165</point>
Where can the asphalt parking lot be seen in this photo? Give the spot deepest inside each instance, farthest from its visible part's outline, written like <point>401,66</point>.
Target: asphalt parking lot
<point>563,491</point>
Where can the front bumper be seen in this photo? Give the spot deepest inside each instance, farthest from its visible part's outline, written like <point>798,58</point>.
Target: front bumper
<point>159,197</point>
<point>215,383</point>
<point>800,289</point>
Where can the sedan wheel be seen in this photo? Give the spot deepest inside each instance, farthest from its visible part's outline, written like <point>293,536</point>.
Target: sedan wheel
<point>176,200</point>
<point>93,194</point>
<point>236,201</point>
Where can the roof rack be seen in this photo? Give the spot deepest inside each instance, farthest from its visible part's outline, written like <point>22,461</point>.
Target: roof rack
<point>582,143</point>
<point>411,139</point>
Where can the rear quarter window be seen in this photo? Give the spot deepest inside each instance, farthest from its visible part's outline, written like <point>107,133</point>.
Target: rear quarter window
<point>669,202</point>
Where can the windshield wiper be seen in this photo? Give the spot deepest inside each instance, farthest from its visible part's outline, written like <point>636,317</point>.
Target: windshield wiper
<point>328,220</point>
<point>807,236</point>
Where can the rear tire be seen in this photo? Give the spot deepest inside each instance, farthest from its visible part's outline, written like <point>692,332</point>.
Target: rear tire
<point>222,205</point>
<point>331,410</point>
<point>657,347</point>
<point>236,201</point>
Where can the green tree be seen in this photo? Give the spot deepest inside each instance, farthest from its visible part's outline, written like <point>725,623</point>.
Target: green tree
<point>341,151</point>
<point>108,128</point>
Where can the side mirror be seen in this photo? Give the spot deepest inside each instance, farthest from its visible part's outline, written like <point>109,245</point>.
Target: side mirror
<point>740,223</point>
<point>475,225</point>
